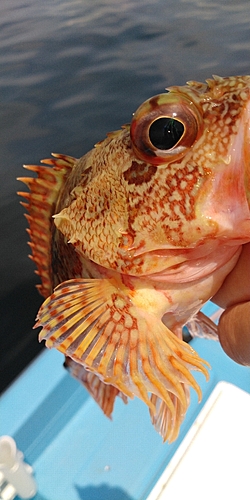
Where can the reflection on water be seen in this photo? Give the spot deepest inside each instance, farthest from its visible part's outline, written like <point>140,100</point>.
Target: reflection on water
<point>72,70</point>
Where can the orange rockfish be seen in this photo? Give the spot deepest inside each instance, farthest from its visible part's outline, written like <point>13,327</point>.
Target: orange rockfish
<point>136,236</point>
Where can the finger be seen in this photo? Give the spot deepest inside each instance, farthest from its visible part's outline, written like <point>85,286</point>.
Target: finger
<point>236,287</point>
<point>234,332</point>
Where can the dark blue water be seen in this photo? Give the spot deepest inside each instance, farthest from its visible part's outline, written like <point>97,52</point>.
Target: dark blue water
<point>72,70</point>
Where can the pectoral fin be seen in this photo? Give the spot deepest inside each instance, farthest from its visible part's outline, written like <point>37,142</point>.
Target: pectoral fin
<point>95,322</point>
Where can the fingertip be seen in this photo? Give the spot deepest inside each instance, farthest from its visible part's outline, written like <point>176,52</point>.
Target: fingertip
<point>234,332</point>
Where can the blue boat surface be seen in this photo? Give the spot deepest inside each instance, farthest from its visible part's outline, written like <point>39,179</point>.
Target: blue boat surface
<point>79,454</point>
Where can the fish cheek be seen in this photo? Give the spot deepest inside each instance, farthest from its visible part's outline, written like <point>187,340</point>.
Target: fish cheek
<point>139,173</point>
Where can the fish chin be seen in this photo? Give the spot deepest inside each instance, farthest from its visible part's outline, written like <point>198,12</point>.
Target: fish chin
<point>181,265</point>
<point>193,269</point>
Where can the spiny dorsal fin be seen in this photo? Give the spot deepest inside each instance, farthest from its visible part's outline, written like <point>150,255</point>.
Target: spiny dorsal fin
<point>40,204</point>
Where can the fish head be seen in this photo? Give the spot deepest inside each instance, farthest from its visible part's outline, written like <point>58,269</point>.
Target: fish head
<point>175,179</point>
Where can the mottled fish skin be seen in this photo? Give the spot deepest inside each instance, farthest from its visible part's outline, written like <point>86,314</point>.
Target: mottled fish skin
<point>136,236</point>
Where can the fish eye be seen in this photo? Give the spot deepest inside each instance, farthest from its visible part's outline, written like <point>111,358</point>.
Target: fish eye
<point>165,127</point>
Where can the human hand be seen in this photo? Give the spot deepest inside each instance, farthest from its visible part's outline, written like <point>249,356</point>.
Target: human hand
<point>234,297</point>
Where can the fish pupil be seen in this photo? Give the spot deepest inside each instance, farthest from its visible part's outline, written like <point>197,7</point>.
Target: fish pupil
<point>165,133</point>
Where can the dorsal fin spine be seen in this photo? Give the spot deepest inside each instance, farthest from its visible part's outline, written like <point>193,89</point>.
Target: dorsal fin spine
<point>40,204</point>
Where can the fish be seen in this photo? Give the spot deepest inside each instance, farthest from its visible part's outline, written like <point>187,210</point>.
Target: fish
<point>131,240</point>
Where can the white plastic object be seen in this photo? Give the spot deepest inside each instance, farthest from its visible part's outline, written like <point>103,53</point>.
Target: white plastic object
<point>213,459</point>
<point>15,471</point>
